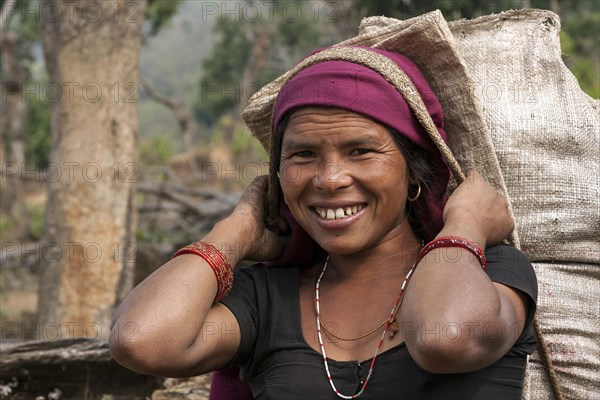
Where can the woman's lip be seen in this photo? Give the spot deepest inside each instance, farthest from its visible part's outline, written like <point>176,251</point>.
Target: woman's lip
<point>338,205</point>
<point>337,223</point>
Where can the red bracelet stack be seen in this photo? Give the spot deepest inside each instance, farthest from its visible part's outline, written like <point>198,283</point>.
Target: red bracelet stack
<point>453,241</point>
<point>216,260</point>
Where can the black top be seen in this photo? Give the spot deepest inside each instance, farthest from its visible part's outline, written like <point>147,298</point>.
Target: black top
<point>279,364</point>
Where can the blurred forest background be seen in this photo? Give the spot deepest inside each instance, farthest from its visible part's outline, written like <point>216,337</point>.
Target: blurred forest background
<point>199,63</point>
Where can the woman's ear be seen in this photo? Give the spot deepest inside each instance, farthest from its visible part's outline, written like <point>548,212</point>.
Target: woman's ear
<point>412,179</point>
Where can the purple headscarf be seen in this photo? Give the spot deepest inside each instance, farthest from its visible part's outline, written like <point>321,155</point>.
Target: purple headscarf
<point>357,88</point>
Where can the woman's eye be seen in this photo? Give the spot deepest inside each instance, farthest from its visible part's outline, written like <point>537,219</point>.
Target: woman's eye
<point>357,152</point>
<point>304,154</point>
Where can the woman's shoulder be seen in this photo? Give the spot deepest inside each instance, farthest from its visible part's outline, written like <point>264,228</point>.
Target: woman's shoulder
<point>264,270</point>
<point>506,252</point>
<point>507,264</point>
<point>262,276</point>
<point>511,267</point>
<point>503,250</point>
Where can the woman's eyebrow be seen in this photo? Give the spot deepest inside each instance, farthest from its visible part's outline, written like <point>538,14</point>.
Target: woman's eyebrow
<point>364,141</point>
<point>291,144</point>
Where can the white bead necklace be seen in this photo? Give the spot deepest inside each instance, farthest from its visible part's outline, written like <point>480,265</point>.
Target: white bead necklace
<point>387,325</point>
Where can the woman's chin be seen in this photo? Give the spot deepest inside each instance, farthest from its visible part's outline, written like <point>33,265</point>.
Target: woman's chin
<point>341,246</point>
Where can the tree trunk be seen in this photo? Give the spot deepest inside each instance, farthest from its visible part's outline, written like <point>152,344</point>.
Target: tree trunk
<point>13,118</point>
<point>92,53</point>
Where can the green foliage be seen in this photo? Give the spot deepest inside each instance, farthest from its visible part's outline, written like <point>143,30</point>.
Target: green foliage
<point>581,48</point>
<point>452,9</point>
<point>156,150</point>
<point>6,225</point>
<point>244,144</point>
<point>26,26</point>
<point>38,132</point>
<point>299,35</point>
<point>153,233</point>
<point>291,35</point>
<point>241,143</point>
<point>222,71</point>
<point>36,220</point>
<point>222,130</point>
<point>159,13</point>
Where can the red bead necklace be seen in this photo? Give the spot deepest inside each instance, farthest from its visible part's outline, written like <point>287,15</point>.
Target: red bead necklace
<point>387,325</point>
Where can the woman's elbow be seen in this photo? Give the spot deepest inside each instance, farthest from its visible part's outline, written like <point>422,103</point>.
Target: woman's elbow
<point>132,349</point>
<point>152,355</point>
<point>130,352</point>
<point>453,351</point>
<point>444,359</point>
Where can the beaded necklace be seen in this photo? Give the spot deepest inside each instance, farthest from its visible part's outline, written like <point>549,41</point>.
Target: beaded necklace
<point>387,325</point>
<point>392,331</point>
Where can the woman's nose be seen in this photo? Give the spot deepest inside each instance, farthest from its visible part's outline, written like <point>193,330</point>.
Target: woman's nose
<point>331,176</point>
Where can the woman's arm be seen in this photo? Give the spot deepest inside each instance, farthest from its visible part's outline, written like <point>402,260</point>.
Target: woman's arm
<point>169,325</point>
<point>455,319</point>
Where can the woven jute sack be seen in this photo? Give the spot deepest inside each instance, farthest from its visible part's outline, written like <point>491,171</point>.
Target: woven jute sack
<point>545,129</point>
<point>546,132</point>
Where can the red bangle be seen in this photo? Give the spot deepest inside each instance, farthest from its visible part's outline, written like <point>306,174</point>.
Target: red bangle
<point>454,241</point>
<point>217,261</point>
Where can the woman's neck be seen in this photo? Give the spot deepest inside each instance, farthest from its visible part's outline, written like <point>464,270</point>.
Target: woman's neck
<point>393,257</point>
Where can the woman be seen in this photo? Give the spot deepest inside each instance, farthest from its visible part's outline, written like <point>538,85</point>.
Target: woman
<point>390,297</point>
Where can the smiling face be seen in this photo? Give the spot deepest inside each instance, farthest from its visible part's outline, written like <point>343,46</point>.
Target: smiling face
<point>344,179</point>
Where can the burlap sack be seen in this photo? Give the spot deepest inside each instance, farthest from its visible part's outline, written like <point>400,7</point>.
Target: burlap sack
<point>545,129</point>
<point>546,132</point>
<point>544,149</point>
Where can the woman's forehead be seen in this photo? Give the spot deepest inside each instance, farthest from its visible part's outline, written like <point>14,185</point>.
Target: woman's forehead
<point>329,117</point>
<point>311,126</point>
<point>324,110</point>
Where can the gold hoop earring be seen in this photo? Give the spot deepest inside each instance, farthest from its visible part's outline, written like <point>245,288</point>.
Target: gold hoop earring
<point>413,199</point>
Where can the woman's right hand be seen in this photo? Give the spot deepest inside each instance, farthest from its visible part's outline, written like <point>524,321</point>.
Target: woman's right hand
<point>247,224</point>
<point>477,208</point>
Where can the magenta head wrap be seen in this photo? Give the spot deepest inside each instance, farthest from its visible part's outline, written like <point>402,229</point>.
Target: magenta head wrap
<point>357,88</point>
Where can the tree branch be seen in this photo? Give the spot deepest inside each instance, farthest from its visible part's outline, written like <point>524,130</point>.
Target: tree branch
<point>215,203</point>
<point>179,110</point>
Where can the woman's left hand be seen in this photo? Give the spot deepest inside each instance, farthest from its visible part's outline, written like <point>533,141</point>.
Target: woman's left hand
<point>478,208</point>
<point>245,228</point>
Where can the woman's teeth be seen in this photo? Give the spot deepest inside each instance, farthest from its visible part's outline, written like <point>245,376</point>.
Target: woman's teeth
<point>338,213</point>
